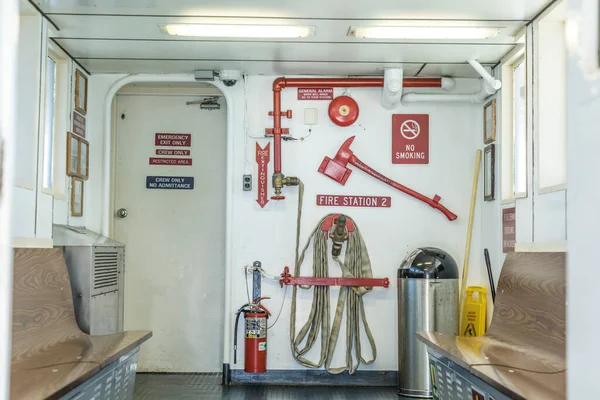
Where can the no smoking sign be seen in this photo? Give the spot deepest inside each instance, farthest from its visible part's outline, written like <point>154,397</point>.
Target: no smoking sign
<point>410,139</point>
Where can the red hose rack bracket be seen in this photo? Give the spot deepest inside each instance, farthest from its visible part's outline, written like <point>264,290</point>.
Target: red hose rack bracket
<point>287,279</point>
<point>328,223</point>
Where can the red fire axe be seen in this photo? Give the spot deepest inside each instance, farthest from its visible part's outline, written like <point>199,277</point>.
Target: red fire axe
<point>336,169</point>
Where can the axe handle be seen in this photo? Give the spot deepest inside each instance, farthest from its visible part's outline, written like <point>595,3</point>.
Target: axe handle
<point>435,202</point>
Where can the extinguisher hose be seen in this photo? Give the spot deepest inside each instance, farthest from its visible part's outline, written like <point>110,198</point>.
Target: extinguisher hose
<point>239,312</point>
<point>235,337</point>
<point>356,264</point>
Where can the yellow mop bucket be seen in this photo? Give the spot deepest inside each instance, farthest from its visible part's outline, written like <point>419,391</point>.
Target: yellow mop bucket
<point>474,312</point>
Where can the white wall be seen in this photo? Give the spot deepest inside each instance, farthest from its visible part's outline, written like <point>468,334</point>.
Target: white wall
<point>27,106</point>
<point>91,219</point>
<point>541,216</point>
<point>34,206</point>
<point>583,348</point>
<point>9,27</point>
<point>390,234</point>
<point>269,235</point>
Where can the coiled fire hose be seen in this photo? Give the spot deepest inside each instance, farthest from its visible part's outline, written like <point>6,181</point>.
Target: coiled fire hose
<point>356,264</point>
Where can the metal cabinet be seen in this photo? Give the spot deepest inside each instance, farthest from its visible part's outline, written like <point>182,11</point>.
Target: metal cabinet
<point>96,266</point>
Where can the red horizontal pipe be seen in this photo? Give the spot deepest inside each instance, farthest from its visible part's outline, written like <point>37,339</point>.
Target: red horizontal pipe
<point>281,83</point>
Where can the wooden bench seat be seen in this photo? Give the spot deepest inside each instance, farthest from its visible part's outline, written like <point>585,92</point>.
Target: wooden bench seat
<point>524,349</point>
<point>50,354</point>
<point>519,384</point>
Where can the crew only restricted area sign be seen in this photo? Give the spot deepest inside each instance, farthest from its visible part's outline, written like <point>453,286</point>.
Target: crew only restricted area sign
<point>410,139</point>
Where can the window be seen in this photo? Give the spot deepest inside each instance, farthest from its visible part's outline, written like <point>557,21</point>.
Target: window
<point>514,139</point>
<point>519,129</point>
<point>48,170</point>
<point>55,122</point>
<point>550,131</point>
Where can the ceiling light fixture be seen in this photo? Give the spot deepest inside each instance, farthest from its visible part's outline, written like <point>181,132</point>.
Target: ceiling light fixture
<point>239,31</point>
<point>423,32</point>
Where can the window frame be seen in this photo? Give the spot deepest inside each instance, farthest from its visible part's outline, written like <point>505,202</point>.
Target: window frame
<point>46,189</point>
<point>539,187</point>
<point>507,165</point>
<point>61,121</point>
<point>516,64</point>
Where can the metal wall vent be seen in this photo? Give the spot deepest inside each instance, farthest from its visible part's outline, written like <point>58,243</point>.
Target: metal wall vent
<point>106,271</point>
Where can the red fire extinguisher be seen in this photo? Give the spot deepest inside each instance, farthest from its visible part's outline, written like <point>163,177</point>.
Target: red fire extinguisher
<point>255,332</point>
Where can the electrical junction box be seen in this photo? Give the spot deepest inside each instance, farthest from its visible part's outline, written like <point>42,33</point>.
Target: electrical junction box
<point>310,116</point>
<point>247,183</point>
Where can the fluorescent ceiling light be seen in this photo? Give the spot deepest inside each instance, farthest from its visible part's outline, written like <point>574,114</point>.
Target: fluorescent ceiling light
<point>423,32</point>
<point>239,31</point>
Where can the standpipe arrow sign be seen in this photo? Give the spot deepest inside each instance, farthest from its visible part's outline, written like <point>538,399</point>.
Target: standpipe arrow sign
<point>263,156</point>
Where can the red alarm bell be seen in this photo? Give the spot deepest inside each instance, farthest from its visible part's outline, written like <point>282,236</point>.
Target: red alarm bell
<point>343,111</point>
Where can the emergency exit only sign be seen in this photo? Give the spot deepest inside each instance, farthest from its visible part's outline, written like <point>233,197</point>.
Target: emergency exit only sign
<point>410,139</point>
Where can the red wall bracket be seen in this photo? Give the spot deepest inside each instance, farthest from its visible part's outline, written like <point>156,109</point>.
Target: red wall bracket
<point>287,279</point>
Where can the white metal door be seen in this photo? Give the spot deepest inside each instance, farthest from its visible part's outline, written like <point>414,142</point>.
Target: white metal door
<point>175,239</point>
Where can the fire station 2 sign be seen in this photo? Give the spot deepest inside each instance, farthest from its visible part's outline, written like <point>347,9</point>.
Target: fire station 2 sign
<point>410,139</point>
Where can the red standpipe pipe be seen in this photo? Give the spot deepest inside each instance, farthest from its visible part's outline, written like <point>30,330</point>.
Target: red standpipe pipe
<point>282,83</point>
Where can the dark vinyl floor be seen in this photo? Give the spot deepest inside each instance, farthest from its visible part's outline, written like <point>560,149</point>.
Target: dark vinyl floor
<point>208,387</point>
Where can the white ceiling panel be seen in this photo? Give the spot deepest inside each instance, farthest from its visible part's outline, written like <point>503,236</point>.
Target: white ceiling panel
<point>264,51</point>
<point>122,35</point>
<point>334,31</point>
<point>252,68</point>
<point>380,9</point>
<point>456,70</point>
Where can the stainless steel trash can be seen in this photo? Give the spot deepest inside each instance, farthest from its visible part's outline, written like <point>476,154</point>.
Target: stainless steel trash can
<point>427,301</point>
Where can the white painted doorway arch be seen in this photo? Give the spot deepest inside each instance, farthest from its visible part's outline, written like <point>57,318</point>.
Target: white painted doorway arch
<point>108,174</point>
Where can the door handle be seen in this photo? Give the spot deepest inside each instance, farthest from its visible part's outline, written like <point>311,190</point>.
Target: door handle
<point>122,213</point>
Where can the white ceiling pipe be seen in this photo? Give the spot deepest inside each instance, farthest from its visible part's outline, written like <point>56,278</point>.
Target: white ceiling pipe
<point>488,79</point>
<point>489,87</point>
<point>392,87</point>
<point>448,84</point>
<point>479,97</point>
<point>442,98</point>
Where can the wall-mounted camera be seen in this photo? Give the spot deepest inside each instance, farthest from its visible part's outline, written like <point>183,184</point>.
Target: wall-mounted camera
<point>229,76</point>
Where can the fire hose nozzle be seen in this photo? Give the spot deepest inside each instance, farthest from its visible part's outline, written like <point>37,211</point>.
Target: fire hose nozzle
<point>339,234</point>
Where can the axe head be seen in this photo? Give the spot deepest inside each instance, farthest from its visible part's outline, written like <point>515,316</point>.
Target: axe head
<point>337,169</point>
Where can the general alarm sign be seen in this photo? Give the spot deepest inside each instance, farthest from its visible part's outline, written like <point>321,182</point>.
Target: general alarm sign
<point>410,139</point>
<point>315,93</point>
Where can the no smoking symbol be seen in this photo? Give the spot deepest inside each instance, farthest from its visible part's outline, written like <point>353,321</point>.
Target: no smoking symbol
<point>410,129</point>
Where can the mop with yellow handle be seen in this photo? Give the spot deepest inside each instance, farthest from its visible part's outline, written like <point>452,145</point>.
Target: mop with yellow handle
<point>465,271</point>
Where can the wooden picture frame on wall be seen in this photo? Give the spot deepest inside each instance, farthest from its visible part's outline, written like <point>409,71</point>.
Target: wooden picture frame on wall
<point>84,159</point>
<point>72,154</point>
<point>81,92</point>
<point>489,122</point>
<point>489,173</point>
<point>76,197</point>
<point>78,156</point>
